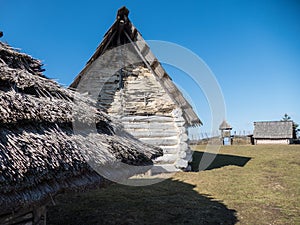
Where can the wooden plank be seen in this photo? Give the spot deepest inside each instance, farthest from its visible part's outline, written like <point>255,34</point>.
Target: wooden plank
<point>149,57</point>
<point>180,100</point>
<point>159,71</point>
<point>141,45</point>
<point>145,50</point>
<point>154,64</point>
<point>169,85</point>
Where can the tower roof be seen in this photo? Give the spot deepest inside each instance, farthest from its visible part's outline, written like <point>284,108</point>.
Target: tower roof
<point>225,126</point>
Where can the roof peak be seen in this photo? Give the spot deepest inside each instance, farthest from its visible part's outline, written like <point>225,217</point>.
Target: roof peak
<point>225,125</point>
<point>123,32</point>
<point>122,13</point>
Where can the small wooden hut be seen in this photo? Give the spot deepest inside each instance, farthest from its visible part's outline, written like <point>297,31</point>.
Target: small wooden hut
<point>132,86</point>
<point>273,132</point>
<point>40,155</point>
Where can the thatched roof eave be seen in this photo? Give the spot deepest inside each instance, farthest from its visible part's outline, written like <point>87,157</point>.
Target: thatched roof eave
<point>40,153</point>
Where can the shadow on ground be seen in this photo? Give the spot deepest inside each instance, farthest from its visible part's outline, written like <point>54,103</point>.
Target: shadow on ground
<point>219,161</point>
<point>167,202</point>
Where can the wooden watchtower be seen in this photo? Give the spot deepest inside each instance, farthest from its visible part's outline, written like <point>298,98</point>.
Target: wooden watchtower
<point>225,129</point>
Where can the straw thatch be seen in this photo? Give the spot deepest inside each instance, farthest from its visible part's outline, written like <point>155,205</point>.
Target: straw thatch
<point>39,152</point>
<point>273,129</point>
<point>225,126</point>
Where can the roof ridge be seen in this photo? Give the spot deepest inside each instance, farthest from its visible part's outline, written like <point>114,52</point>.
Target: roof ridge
<point>124,32</point>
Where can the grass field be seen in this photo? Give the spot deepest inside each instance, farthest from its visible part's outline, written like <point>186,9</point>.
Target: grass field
<point>244,185</point>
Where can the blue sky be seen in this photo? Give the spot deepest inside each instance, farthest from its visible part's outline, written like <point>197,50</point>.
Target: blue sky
<point>252,47</point>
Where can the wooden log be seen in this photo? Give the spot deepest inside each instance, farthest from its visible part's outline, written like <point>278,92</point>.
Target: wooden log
<point>150,126</point>
<point>183,146</point>
<point>182,155</point>
<point>167,158</point>
<point>180,124</point>
<point>182,129</point>
<point>147,119</point>
<point>181,163</point>
<point>189,157</point>
<point>173,149</point>
<point>164,168</point>
<point>152,129</point>
<point>160,142</point>
<point>153,133</point>
<point>183,137</point>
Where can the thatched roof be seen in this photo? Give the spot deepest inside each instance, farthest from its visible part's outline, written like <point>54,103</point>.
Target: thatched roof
<point>225,125</point>
<point>124,32</point>
<point>39,152</point>
<point>273,129</point>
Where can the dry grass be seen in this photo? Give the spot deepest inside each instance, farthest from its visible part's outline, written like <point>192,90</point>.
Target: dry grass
<point>244,185</point>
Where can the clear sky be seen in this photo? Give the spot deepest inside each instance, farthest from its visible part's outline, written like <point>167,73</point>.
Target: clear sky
<point>252,47</point>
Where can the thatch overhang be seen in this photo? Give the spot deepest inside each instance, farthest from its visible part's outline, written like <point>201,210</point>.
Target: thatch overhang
<point>124,32</point>
<point>40,154</point>
<point>273,130</point>
<point>225,126</point>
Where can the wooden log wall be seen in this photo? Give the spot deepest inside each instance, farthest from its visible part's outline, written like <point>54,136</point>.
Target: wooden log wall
<point>149,114</point>
<point>134,96</point>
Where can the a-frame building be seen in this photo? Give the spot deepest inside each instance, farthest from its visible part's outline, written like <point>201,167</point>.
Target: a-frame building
<point>130,84</point>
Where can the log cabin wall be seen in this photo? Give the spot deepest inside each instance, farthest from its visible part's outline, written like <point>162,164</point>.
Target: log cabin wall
<point>143,96</point>
<point>133,96</point>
